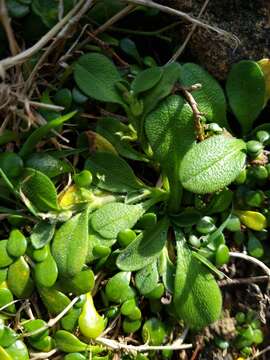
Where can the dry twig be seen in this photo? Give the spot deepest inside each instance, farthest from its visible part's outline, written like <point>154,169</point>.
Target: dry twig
<point>186,17</point>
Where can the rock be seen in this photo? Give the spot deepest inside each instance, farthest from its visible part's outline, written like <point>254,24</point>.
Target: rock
<point>249,20</point>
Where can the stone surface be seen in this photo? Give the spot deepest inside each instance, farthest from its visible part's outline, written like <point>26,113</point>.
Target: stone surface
<point>249,20</point>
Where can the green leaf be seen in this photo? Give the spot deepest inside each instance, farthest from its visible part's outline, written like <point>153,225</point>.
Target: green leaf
<point>210,98</point>
<point>212,164</point>
<point>130,48</point>
<point>166,270</point>
<point>42,234</point>
<point>96,76</point>
<point>112,173</point>
<point>114,131</point>
<point>47,164</point>
<point>39,189</point>
<point>170,131</point>
<point>146,279</point>
<point>246,92</point>
<point>48,10</point>
<point>197,297</point>
<point>70,245</point>
<point>145,248</point>
<point>146,79</point>
<point>38,134</point>
<point>163,88</point>
<point>118,289</point>
<point>114,217</point>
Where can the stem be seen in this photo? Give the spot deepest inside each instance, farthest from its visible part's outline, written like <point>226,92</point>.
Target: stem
<point>176,192</point>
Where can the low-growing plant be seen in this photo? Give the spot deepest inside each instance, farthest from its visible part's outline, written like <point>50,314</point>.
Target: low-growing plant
<point>130,224</point>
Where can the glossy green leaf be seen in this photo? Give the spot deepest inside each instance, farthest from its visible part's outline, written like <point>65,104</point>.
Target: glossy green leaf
<point>197,297</point>
<point>18,351</point>
<point>144,249</point>
<point>42,234</point>
<point>5,258</point>
<point>212,164</point>
<point>146,279</point>
<point>210,97</point>
<point>163,88</point>
<point>70,245</point>
<point>117,288</point>
<point>146,79</point>
<point>96,76</point>
<point>18,279</point>
<point>47,164</point>
<point>246,92</point>
<point>118,134</point>
<point>111,218</point>
<point>55,301</point>
<point>39,189</point>
<point>112,173</point>
<point>42,131</point>
<point>46,272</point>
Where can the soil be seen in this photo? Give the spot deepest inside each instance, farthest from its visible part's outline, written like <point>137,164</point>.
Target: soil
<point>249,20</point>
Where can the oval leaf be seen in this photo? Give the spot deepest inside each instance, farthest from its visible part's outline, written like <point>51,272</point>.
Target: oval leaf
<point>212,164</point>
<point>39,189</point>
<point>96,76</point>
<point>197,297</point>
<point>171,121</point>
<point>146,79</point>
<point>114,217</point>
<point>42,234</point>
<point>246,92</point>
<point>70,245</point>
<point>144,249</point>
<point>112,173</point>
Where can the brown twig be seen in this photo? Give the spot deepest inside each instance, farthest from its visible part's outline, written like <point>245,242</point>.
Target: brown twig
<point>107,49</point>
<point>240,281</point>
<point>194,106</point>
<point>5,21</point>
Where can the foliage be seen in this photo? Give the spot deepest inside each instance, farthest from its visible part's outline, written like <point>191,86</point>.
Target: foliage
<point>123,205</point>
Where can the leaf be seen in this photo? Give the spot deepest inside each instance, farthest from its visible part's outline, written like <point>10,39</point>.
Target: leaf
<point>70,245</point>
<point>96,76</point>
<point>48,10</point>
<point>146,279</point>
<point>42,234</point>
<point>146,79</point>
<point>130,48</point>
<point>145,248</point>
<point>265,67</point>
<point>210,98</point>
<point>163,88</point>
<point>114,131</point>
<point>39,189</point>
<point>47,164</point>
<point>112,173</point>
<point>246,92</point>
<point>252,219</point>
<point>167,270</point>
<point>208,264</point>
<point>171,121</point>
<point>212,164</point>
<point>38,134</point>
<point>197,297</point>
<point>111,218</point>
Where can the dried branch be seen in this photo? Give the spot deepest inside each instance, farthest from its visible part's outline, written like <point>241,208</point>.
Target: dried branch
<point>58,28</point>
<point>189,35</point>
<point>240,281</point>
<point>254,261</point>
<point>194,106</point>
<point>115,345</point>
<point>186,17</point>
<point>5,21</point>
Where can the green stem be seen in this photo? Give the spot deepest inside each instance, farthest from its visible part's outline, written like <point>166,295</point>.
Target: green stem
<point>176,192</point>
